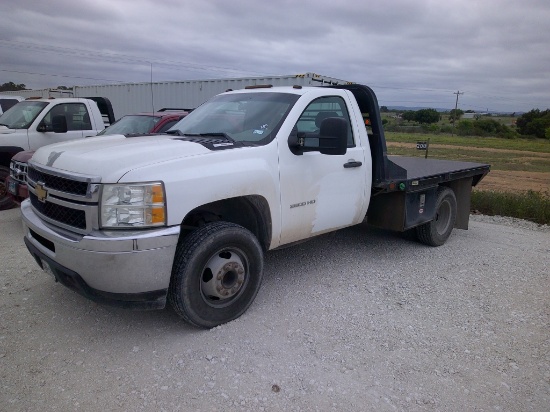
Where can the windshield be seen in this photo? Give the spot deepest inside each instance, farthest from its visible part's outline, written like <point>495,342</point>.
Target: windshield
<point>22,114</point>
<point>243,117</point>
<point>132,124</point>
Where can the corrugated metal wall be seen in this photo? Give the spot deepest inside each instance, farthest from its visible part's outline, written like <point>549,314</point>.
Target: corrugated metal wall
<point>143,97</point>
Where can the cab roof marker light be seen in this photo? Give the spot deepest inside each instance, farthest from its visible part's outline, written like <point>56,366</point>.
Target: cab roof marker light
<point>259,86</point>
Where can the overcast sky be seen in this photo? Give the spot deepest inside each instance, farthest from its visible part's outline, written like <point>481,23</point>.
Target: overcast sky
<point>411,52</point>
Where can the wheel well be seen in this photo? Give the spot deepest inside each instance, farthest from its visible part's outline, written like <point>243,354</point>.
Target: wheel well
<point>6,153</point>
<point>251,212</point>
<point>5,159</point>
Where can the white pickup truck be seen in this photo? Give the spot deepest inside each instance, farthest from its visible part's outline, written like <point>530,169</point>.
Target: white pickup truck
<point>33,123</point>
<point>187,217</point>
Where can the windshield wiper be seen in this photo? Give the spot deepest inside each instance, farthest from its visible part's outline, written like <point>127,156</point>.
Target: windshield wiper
<point>7,125</point>
<point>176,132</point>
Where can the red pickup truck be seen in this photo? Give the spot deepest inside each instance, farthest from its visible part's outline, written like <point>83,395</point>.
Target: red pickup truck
<point>132,124</point>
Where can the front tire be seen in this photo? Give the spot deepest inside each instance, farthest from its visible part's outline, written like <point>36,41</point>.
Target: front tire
<point>216,275</point>
<point>437,231</point>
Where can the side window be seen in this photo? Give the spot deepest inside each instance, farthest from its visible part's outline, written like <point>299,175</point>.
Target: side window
<point>76,114</point>
<point>318,110</point>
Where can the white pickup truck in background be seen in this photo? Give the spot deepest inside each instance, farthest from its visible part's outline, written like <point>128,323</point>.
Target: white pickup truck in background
<point>33,123</point>
<point>187,217</point>
<point>7,101</point>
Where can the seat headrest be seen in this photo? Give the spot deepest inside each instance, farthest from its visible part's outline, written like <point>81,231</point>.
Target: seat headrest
<point>322,116</point>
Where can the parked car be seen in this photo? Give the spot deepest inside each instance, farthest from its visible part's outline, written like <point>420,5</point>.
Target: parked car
<point>146,123</point>
<point>132,124</point>
<point>16,182</point>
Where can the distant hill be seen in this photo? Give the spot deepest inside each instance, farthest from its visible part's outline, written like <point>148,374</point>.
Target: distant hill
<point>439,109</point>
<point>405,108</point>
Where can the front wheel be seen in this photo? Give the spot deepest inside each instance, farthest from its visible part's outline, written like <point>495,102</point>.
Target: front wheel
<point>216,275</point>
<point>437,231</point>
<point>6,202</point>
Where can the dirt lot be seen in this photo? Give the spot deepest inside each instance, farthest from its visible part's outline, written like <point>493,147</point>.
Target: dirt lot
<point>356,320</point>
<point>508,181</point>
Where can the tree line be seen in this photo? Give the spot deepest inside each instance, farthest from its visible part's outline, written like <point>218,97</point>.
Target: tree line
<point>13,87</point>
<point>535,123</point>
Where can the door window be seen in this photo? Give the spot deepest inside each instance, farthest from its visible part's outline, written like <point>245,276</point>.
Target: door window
<point>76,114</point>
<point>318,110</point>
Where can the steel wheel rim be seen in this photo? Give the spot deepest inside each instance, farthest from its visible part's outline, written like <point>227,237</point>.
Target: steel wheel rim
<point>224,277</point>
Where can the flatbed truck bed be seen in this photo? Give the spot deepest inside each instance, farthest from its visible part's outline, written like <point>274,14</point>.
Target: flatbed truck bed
<point>408,196</point>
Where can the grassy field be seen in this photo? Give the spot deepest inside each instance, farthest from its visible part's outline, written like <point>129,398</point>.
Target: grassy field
<point>502,154</point>
<point>533,206</point>
<point>446,120</point>
<point>517,159</point>
<point>528,145</point>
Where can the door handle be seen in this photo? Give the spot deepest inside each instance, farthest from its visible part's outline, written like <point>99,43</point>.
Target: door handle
<point>352,163</point>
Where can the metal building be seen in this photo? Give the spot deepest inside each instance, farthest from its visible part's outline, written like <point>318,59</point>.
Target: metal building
<point>145,97</point>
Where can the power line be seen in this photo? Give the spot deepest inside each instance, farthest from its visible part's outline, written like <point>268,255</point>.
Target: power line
<point>116,57</point>
<point>61,75</point>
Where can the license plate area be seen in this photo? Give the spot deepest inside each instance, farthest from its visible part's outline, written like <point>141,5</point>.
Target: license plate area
<point>12,187</point>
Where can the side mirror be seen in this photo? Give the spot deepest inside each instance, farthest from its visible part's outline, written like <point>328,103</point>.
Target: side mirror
<point>333,136</point>
<point>59,124</point>
<point>331,140</point>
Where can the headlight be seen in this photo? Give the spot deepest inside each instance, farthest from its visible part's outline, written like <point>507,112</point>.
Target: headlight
<point>133,205</point>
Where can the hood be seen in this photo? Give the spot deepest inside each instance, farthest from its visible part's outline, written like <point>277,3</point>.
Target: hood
<point>23,156</point>
<point>112,156</point>
<point>5,130</point>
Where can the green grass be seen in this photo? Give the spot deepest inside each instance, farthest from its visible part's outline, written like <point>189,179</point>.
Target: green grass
<point>528,162</point>
<point>533,206</point>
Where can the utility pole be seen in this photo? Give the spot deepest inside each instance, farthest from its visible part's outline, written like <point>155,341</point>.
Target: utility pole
<point>458,93</point>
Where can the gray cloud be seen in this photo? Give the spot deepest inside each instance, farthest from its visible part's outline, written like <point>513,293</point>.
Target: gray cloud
<point>411,53</point>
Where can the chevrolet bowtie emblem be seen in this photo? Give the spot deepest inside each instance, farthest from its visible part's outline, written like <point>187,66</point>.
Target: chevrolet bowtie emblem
<point>41,192</point>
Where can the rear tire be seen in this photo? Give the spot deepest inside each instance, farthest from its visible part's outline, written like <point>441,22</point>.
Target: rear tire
<point>437,231</point>
<point>6,202</point>
<point>216,275</point>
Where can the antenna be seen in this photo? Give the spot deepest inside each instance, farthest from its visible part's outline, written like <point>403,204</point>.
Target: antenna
<point>152,95</point>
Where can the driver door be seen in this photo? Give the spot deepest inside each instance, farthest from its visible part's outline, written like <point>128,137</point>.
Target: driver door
<point>319,192</point>
<point>77,117</point>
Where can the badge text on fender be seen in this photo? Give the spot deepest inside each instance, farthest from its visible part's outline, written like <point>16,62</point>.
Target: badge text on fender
<point>309,202</point>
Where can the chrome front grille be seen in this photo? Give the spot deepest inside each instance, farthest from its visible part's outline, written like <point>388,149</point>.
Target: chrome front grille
<point>59,183</point>
<point>18,171</point>
<point>61,214</point>
<point>69,201</point>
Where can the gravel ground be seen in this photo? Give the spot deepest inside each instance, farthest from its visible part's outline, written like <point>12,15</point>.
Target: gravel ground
<point>356,320</point>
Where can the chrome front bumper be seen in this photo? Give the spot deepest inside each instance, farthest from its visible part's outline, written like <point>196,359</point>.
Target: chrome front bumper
<point>122,268</point>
